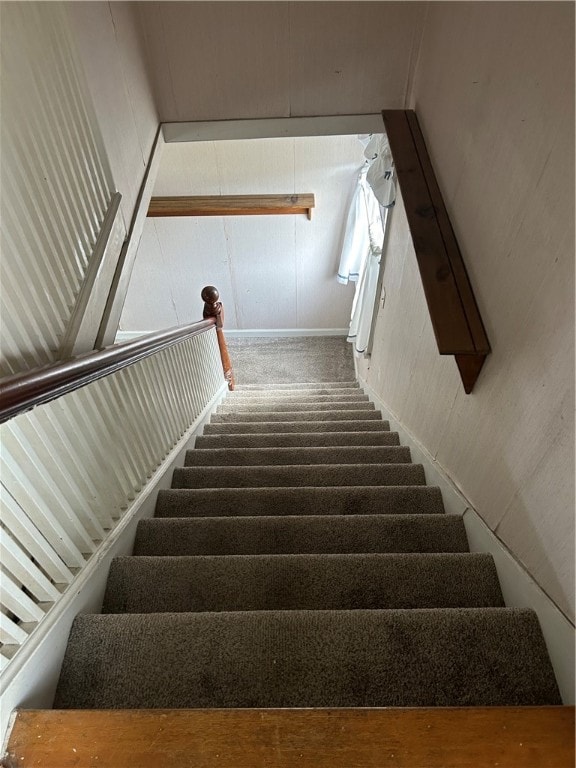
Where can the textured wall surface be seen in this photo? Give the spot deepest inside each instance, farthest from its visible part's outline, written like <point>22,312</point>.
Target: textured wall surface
<point>494,91</point>
<point>222,60</point>
<point>108,38</point>
<point>55,184</point>
<point>272,271</point>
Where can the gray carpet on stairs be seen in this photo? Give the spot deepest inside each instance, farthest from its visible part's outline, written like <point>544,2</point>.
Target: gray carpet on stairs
<point>263,361</point>
<point>265,406</point>
<point>299,560</point>
<point>301,582</point>
<point>278,427</point>
<point>280,396</point>
<point>293,440</point>
<point>319,386</point>
<point>303,415</point>
<point>348,500</point>
<point>403,658</point>
<point>342,454</point>
<point>294,534</point>
<point>298,476</point>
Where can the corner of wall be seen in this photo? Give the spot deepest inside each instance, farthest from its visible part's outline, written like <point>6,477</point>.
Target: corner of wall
<point>414,61</point>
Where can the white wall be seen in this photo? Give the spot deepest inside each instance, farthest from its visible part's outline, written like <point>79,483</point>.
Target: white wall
<point>109,41</point>
<point>226,60</point>
<point>273,272</point>
<point>78,125</point>
<point>494,91</point>
<point>56,189</point>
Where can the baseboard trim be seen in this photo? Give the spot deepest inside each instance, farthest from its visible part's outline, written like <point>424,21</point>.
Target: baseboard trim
<point>519,588</point>
<point>284,332</point>
<point>234,333</point>
<point>30,679</point>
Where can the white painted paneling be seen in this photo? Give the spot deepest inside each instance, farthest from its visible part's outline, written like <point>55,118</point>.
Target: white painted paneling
<point>263,264</point>
<point>318,242</point>
<point>72,467</point>
<point>109,45</point>
<point>348,58</point>
<point>196,254</point>
<point>266,165</point>
<point>150,273</point>
<point>212,61</point>
<point>82,329</point>
<point>183,170</point>
<point>29,678</point>
<point>56,185</point>
<point>494,91</point>
<point>227,60</point>
<point>111,51</point>
<point>272,271</point>
<point>261,248</point>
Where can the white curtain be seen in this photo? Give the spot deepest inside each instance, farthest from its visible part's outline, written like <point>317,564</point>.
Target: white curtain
<point>364,236</point>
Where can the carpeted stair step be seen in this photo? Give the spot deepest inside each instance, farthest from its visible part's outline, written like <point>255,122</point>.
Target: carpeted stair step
<point>347,454</point>
<point>295,534</point>
<point>273,402</point>
<point>303,395</point>
<point>309,582</point>
<point>300,416</point>
<point>361,658</point>
<point>332,501</point>
<point>351,500</point>
<point>310,385</point>
<point>295,475</point>
<point>295,440</point>
<point>292,407</point>
<point>278,427</point>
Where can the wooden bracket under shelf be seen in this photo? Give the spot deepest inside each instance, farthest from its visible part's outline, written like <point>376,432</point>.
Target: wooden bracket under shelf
<point>232,205</point>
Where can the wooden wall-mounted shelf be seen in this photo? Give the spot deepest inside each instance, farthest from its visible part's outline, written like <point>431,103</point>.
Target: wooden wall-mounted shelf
<point>453,310</point>
<point>232,205</point>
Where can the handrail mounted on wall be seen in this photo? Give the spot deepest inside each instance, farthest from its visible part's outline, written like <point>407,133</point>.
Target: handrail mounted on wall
<point>453,310</point>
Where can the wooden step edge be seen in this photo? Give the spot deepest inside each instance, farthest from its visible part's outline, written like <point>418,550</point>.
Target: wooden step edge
<point>474,737</point>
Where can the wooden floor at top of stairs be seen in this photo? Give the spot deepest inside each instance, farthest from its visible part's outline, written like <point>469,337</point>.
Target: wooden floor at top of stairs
<point>507,737</point>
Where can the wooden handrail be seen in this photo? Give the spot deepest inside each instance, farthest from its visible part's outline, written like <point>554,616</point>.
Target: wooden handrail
<point>23,391</point>
<point>213,309</point>
<point>451,303</point>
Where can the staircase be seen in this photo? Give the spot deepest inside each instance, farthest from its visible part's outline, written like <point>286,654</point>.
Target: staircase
<point>300,560</point>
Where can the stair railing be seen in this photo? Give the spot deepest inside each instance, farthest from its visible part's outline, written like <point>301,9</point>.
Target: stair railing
<point>213,308</point>
<point>81,439</point>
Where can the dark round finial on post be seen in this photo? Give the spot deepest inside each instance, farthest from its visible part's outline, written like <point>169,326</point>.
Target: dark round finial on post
<point>213,308</point>
<point>210,294</point>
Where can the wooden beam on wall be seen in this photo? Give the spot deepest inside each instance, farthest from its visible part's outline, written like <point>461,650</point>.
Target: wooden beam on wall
<point>232,205</point>
<point>451,303</point>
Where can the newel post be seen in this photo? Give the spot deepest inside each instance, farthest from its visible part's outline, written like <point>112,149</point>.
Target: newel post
<point>214,308</point>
